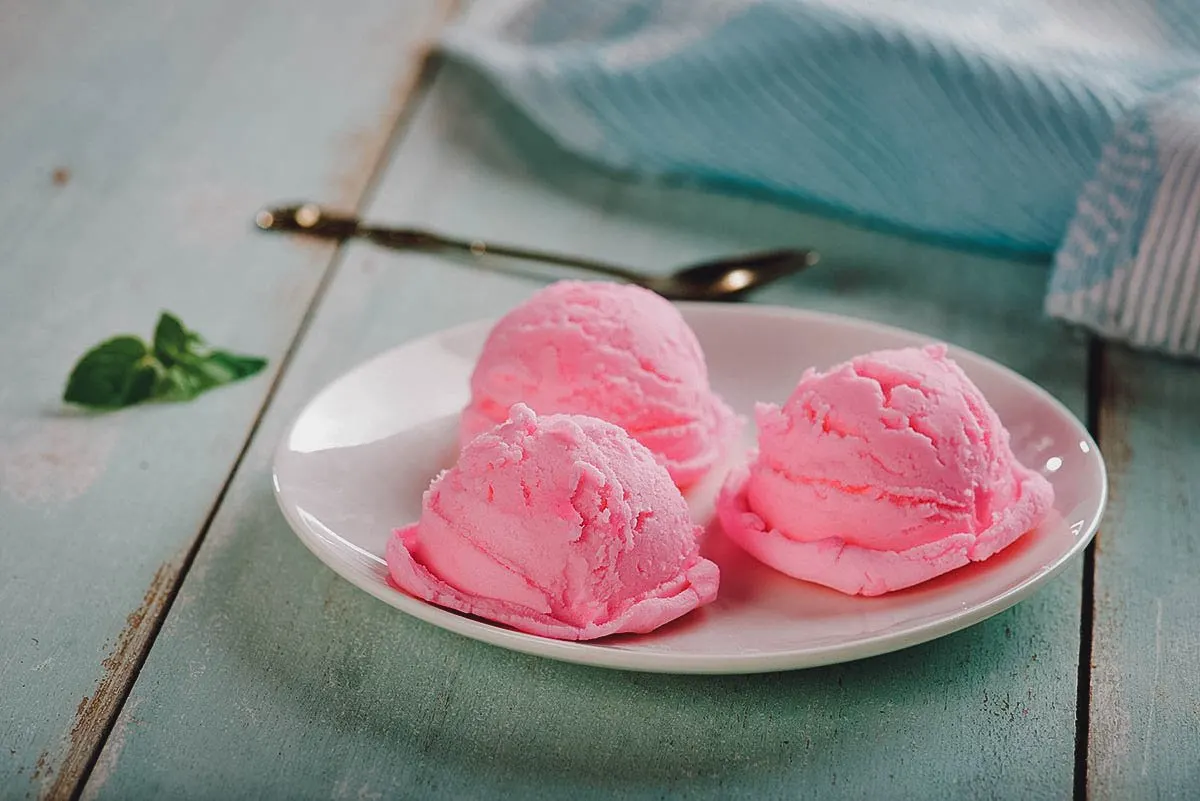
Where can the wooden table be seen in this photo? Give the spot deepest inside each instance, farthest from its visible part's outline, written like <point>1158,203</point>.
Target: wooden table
<point>164,635</point>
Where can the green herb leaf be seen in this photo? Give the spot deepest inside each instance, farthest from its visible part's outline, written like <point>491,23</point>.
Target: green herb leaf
<point>124,371</point>
<point>238,366</point>
<point>170,338</point>
<point>181,383</point>
<point>109,375</point>
<point>141,387</point>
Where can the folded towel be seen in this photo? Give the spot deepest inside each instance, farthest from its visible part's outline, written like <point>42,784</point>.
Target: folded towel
<point>1071,125</point>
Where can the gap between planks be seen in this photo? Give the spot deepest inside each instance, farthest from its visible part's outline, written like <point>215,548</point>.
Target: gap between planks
<point>97,714</point>
<point>1097,377</point>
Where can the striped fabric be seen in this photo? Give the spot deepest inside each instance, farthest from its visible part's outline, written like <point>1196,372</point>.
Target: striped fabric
<point>1069,126</point>
<point>1130,265</point>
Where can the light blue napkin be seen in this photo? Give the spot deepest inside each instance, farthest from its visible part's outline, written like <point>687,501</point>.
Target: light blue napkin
<point>1066,125</point>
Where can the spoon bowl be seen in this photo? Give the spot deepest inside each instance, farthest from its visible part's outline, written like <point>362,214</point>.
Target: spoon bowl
<point>731,278</point>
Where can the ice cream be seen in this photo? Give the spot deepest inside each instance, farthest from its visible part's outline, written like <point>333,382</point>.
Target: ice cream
<point>613,351</point>
<point>559,525</point>
<point>879,474</point>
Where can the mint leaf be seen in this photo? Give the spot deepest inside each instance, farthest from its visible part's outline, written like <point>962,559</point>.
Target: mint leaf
<point>109,375</point>
<point>170,338</point>
<point>141,387</point>
<point>124,371</point>
<point>195,373</point>
<point>238,366</point>
<point>181,383</point>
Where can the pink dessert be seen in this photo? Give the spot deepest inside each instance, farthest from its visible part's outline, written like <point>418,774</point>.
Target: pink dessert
<point>879,474</point>
<point>613,351</point>
<point>559,525</point>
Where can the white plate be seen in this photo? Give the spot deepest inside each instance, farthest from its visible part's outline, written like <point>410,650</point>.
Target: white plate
<point>355,462</point>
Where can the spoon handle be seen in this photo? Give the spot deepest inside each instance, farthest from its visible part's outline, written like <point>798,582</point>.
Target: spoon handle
<point>320,222</point>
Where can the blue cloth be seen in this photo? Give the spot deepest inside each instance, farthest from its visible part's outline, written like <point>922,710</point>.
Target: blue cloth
<point>1067,125</point>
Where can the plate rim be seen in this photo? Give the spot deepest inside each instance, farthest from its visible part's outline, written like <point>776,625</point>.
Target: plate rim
<point>594,655</point>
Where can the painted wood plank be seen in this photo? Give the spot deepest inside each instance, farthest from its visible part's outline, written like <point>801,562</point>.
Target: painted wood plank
<point>1145,688</point>
<point>274,676</point>
<point>138,139</point>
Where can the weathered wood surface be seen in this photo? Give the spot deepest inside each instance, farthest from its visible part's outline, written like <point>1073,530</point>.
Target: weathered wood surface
<point>273,677</point>
<point>138,138</point>
<point>1145,686</point>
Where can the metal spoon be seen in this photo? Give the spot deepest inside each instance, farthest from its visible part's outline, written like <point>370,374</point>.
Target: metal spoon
<point>723,279</point>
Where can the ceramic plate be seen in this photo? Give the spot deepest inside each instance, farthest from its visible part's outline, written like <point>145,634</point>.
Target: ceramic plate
<point>355,462</point>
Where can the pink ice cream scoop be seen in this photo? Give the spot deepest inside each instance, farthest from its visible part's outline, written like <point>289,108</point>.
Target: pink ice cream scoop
<point>613,351</point>
<point>879,474</point>
<point>560,525</point>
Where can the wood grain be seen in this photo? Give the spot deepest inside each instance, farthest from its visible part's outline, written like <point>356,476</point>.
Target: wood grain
<point>1145,693</point>
<point>138,139</point>
<point>272,676</point>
